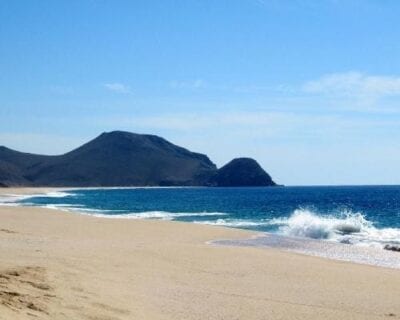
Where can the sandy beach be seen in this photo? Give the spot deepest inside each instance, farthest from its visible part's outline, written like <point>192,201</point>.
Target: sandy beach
<point>58,265</point>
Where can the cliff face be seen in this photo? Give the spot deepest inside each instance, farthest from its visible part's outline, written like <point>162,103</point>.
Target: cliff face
<point>242,172</point>
<point>122,159</point>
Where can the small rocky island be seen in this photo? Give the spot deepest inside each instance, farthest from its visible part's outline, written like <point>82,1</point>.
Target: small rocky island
<point>121,158</point>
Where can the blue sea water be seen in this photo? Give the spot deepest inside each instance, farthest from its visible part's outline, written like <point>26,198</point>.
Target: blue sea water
<point>358,215</point>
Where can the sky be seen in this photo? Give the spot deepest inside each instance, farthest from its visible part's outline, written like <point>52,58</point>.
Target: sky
<point>310,89</point>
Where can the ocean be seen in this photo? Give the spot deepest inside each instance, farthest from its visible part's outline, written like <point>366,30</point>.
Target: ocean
<point>351,223</point>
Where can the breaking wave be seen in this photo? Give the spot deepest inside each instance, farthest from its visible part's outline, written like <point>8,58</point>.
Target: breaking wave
<point>57,194</point>
<point>14,199</point>
<point>348,227</point>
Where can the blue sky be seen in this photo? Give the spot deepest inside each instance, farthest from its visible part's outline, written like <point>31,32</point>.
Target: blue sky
<point>311,89</point>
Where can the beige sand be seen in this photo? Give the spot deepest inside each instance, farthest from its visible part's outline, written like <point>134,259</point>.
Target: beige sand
<point>57,265</point>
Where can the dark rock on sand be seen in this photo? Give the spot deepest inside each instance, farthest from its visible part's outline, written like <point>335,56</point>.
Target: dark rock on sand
<point>392,247</point>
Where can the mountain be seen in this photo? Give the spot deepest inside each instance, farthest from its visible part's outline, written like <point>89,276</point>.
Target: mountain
<point>13,165</point>
<point>117,158</point>
<point>242,172</point>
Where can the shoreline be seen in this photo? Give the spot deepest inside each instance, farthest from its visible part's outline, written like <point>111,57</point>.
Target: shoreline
<point>371,256</point>
<point>72,266</point>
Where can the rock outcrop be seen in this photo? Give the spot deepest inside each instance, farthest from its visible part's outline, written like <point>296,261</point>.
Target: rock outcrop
<point>242,172</point>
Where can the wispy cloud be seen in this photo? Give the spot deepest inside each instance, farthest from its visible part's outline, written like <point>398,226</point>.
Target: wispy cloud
<point>117,87</point>
<point>365,88</point>
<point>210,120</point>
<point>260,125</point>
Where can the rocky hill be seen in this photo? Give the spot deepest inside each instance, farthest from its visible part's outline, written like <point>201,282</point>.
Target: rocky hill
<point>242,172</point>
<point>126,159</point>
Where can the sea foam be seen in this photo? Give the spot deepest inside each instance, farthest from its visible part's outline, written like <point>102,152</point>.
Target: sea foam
<point>159,215</point>
<point>347,227</point>
<point>121,214</point>
<point>235,223</point>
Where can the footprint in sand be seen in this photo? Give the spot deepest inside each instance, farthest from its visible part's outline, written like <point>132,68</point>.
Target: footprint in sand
<point>25,290</point>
